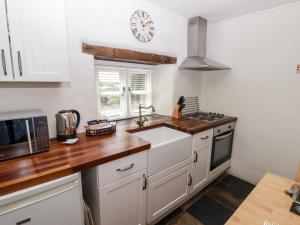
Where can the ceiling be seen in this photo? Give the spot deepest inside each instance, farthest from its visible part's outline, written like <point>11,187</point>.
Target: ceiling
<point>216,10</point>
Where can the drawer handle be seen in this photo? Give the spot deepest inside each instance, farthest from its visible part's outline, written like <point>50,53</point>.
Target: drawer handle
<point>23,221</point>
<point>126,168</point>
<point>196,157</point>
<point>204,138</point>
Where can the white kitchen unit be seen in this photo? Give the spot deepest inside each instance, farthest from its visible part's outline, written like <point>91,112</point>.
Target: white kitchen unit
<point>169,169</point>
<point>143,188</point>
<point>5,63</point>
<point>202,145</point>
<point>168,189</point>
<point>38,46</point>
<point>116,191</point>
<point>53,203</point>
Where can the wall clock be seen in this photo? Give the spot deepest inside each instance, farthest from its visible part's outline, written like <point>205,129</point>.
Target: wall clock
<point>142,26</point>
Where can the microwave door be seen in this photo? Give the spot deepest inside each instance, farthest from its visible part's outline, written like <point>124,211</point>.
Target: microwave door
<point>15,138</point>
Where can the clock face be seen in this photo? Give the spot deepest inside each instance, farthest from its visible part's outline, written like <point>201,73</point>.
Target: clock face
<point>142,26</point>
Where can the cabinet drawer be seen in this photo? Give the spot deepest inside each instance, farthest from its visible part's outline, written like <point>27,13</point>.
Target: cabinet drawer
<point>202,140</point>
<point>121,168</point>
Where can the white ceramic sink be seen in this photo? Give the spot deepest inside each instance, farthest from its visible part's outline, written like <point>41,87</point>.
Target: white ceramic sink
<point>168,147</point>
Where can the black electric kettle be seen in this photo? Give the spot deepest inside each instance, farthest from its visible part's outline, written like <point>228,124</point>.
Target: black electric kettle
<point>67,121</point>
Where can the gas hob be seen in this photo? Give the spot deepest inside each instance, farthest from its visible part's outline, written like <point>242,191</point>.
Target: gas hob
<point>209,117</point>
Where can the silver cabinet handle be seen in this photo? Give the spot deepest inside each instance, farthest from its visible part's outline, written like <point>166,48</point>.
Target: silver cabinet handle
<point>190,180</point>
<point>20,63</point>
<point>145,182</point>
<point>23,221</point>
<point>204,138</point>
<point>126,168</point>
<point>196,157</point>
<point>3,62</point>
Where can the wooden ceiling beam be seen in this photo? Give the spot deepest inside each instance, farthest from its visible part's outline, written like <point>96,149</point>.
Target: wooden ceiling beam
<point>126,55</point>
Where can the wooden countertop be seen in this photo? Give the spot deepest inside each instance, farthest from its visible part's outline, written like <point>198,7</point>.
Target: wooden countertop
<point>267,201</point>
<point>63,160</point>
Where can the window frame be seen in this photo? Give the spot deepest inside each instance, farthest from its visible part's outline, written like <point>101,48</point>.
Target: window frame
<point>127,70</point>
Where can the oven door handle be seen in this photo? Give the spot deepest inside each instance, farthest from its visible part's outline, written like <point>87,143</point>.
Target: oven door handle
<point>224,136</point>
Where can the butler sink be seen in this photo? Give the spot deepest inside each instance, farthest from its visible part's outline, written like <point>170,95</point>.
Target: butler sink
<point>168,147</point>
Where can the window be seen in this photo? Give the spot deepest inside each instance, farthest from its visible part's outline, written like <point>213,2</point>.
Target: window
<point>121,90</point>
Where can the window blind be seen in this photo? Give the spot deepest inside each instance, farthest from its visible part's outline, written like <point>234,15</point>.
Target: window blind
<point>121,90</point>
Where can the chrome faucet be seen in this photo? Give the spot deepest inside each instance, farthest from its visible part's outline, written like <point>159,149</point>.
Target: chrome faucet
<point>141,120</point>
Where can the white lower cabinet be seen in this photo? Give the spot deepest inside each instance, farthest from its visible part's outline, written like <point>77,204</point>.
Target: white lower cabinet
<point>202,145</point>
<point>116,191</point>
<point>119,193</point>
<point>55,203</point>
<point>200,168</point>
<point>167,192</point>
<point>123,202</point>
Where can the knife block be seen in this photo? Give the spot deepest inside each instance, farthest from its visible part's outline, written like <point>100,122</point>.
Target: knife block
<point>176,114</point>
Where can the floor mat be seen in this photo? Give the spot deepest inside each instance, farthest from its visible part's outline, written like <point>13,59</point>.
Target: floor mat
<point>235,186</point>
<point>210,212</point>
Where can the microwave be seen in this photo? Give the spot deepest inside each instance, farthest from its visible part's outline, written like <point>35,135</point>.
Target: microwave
<point>23,133</point>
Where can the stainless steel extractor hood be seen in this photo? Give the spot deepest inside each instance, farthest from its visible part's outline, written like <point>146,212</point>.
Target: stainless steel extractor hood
<point>196,60</point>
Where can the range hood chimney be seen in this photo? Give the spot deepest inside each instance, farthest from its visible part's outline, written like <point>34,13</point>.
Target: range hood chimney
<point>196,60</point>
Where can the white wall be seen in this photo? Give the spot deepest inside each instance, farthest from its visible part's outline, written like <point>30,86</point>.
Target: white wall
<point>262,90</point>
<point>105,21</point>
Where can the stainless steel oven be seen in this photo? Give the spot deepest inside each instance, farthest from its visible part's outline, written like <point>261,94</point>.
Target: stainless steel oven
<point>23,133</point>
<point>222,145</point>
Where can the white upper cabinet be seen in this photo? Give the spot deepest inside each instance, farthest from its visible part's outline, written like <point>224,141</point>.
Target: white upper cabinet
<point>38,40</point>
<point>5,63</point>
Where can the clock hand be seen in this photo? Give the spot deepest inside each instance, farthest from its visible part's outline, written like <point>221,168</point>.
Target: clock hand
<point>143,24</point>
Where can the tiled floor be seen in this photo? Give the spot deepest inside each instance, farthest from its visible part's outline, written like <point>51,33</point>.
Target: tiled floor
<point>212,206</point>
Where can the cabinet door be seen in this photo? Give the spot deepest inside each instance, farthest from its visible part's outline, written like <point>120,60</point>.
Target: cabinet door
<point>123,202</point>
<point>200,168</point>
<point>38,40</point>
<point>5,62</point>
<point>168,192</point>
<point>61,206</point>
